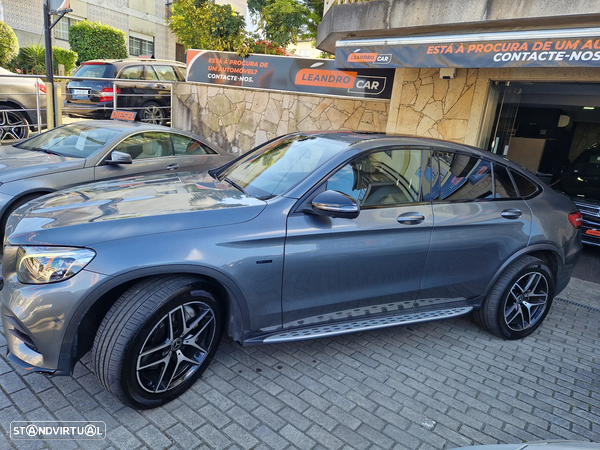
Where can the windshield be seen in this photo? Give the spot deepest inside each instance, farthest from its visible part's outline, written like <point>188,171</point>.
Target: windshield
<point>96,71</point>
<point>277,166</point>
<point>76,140</point>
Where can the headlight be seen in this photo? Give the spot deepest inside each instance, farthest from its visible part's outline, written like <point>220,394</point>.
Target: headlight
<point>41,265</point>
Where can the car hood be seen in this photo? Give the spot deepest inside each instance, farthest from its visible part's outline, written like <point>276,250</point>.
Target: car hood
<point>17,164</point>
<point>130,207</point>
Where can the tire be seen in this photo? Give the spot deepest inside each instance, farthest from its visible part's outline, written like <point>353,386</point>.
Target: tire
<point>13,124</point>
<point>153,113</point>
<point>16,204</point>
<point>135,350</point>
<point>519,301</point>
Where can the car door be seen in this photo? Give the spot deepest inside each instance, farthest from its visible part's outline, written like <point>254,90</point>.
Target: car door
<point>151,152</point>
<point>479,222</point>
<point>338,269</point>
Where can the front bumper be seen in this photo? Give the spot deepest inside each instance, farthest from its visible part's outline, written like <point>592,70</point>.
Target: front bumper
<point>35,319</point>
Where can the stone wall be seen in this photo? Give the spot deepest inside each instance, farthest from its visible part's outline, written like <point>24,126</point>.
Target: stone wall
<point>432,107</point>
<point>238,119</point>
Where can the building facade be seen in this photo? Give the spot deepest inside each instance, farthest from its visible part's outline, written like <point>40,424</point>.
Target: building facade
<point>518,78</point>
<point>144,21</point>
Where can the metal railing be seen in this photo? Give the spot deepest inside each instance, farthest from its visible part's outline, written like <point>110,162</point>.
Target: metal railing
<point>145,97</point>
<point>23,106</point>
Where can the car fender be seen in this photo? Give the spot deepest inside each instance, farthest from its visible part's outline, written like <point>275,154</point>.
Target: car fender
<point>542,247</point>
<point>238,314</point>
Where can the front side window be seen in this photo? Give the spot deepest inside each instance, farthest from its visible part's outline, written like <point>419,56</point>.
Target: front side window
<point>460,177</point>
<point>277,166</point>
<point>383,178</point>
<point>146,145</point>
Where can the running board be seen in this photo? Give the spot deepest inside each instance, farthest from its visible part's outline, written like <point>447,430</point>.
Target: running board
<point>363,325</point>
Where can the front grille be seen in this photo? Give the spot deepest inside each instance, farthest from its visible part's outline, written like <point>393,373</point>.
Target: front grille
<point>588,209</point>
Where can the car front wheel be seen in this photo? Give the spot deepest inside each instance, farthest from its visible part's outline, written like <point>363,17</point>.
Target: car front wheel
<point>519,301</point>
<point>157,340</point>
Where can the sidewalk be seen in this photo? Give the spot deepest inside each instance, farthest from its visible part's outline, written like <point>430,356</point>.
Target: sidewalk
<point>582,292</point>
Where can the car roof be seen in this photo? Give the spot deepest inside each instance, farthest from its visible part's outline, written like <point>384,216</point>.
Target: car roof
<point>367,140</point>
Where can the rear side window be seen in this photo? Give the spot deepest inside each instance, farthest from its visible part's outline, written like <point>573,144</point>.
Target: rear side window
<point>95,71</point>
<point>525,187</point>
<point>458,177</point>
<point>166,73</point>
<point>503,183</point>
<point>184,145</point>
<point>132,73</point>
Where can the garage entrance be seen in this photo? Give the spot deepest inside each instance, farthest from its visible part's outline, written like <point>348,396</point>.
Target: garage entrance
<point>544,126</point>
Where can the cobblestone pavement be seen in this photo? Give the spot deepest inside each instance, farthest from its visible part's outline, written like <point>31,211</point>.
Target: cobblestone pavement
<point>431,386</point>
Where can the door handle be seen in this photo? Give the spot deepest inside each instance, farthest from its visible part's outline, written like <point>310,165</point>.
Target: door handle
<point>511,213</point>
<point>173,167</point>
<point>411,218</point>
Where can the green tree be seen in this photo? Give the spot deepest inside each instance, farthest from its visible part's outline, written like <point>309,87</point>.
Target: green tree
<point>95,40</point>
<point>283,22</point>
<point>315,15</point>
<point>9,45</point>
<point>65,57</point>
<point>202,24</point>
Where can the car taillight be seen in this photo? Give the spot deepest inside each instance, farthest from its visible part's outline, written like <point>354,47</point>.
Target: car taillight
<point>575,219</point>
<point>107,94</point>
<point>41,86</point>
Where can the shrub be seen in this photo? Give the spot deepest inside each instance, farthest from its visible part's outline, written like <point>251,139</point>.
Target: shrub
<point>31,59</point>
<point>95,40</point>
<point>65,57</point>
<point>9,45</point>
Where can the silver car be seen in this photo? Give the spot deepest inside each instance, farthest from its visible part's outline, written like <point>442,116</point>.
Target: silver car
<point>308,235</point>
<point>94,151</point>
<point>18,105</point>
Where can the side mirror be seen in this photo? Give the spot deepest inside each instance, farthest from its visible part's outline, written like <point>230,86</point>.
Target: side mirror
<point>335,204</point>
<point>119,158</point>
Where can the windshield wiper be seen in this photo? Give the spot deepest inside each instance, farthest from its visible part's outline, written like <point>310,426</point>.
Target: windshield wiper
<point>44,150</point>
<point>235,185</point>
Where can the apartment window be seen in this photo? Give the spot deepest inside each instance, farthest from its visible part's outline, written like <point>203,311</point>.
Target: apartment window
<point>140,46</point>
<point>61,29</point>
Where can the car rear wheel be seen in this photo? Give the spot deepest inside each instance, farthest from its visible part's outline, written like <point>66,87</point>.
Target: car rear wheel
<point>153,113</point>
<point>13,124</point>
<point>157,340</point>
<point>519,301</point>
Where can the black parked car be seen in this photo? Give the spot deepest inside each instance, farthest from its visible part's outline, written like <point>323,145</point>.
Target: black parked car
<point>150,99</point>
<point>581,180</point>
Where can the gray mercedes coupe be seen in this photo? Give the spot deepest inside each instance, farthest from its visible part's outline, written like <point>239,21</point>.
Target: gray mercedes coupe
<point>95,150</point>
<point>308,235</point>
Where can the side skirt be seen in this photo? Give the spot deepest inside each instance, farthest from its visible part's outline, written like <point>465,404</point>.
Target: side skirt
<point>334,329</point>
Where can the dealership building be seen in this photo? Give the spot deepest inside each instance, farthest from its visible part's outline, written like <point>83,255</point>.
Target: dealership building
<point>519,78</point>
